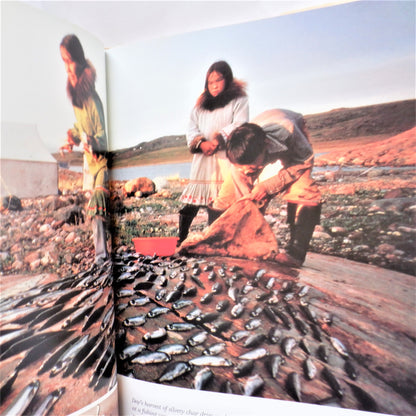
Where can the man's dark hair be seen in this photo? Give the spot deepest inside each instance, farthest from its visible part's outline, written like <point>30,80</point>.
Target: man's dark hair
<point>245,144</point>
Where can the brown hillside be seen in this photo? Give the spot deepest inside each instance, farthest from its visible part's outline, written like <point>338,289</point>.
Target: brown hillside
<point>399,150</point>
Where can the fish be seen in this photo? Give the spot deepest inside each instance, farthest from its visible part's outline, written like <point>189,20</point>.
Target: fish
<point>288,344</point>
<point>197,339</point>
<point>274,335</point>
<point>239,335</point>
<point>253,385</point>
<point>173,349</point>
<point>301,326</point>
<point>174,370</point>
<point>273,363</point>
<point>243,368</point>
<point>323,353</point>
<point>202,378</point>
<point>134,321</point>
<point>211,361</point>
<point>350,369</point>
<point>180,326</point>
<point>237,310</point>
<point>309,368</point>
<point>253,324</point>
<point>256,312</point>
<point>215,349</point>
<point>53,357</point>
<point>293,385</point>
<point>7,383</point>
<point>304,344</point>
<point>183,303</point>
<point>207,298</point>
<point>93,318</point>
<point>140,301</point>
<point>48,402</point>
<point>339,347</point>
<point>222,305</point>
<point>77,316</point>
<point>254,340</point>
<point>193,314</point>
<point>157,311</point>
<point>23,400</point>
<point>156,336</point>
<point>333,382</point>
<point>221,326</point>
<point>131,351</point>
<point>217,288</point>
<point>40,349</point>
<point>255,354</point>
<point>190,291</point>
<point>68,356</point>
<point>150,357</point>
<point>207,317</point>
<point>197,281</point>
<point>174,295</point>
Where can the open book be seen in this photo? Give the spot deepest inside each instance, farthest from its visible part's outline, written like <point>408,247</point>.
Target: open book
<point>153,333</point>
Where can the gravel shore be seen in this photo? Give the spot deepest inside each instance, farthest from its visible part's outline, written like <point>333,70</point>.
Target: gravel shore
<point>368,217</point>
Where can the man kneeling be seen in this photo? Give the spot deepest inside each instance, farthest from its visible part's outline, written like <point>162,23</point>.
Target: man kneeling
<point>275,135</point>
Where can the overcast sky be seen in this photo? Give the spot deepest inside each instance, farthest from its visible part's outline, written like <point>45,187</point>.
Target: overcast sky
<point>348,55</point>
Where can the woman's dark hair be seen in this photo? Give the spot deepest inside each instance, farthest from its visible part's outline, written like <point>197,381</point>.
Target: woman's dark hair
<point>232,88</point>
<point>224,69</point>
<point>245,144</point>
<point>73,46</point>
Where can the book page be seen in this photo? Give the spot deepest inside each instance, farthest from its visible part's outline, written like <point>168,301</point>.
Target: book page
<point>57,349</point>
<point>225,330</point>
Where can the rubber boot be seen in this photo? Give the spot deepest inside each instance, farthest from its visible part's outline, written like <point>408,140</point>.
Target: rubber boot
<point>302,220</point>
<point>100,240</point>
<point>186,216</point>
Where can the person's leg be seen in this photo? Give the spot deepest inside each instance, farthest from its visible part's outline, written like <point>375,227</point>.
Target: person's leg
<point>100,239</point>
<point>186,216</point>
<point>302,220</point>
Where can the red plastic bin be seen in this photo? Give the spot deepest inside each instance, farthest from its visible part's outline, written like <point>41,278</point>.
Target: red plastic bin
<point>161,246</point>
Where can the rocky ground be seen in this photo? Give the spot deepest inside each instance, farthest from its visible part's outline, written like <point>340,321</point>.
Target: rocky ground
<point>368,216</point>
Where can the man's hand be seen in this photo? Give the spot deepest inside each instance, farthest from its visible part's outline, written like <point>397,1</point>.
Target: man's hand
<point>258,193</point>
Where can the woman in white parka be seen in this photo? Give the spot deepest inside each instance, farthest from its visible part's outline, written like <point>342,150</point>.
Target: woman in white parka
<point>221,108</point>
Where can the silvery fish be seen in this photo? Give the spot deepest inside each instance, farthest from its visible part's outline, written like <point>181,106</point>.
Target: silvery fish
<point>244,368</point>
<point>180,326</point>
<point>211,361</point>
<point>173,349</point>
<point>339,347</point>
<point>23,400</point>
<point>197,339</point>
<point>174,370</point>
<point>150,357</point>
<point>131,350</point>
<point>293,385</point>
<point>134,321</point>
<point>309,368</point>
<point>214,349</point>
<point>253,385</point>
<point>273,363</point>
<point>288,344</point>
<point>255,354</point>
<point>202,378</point>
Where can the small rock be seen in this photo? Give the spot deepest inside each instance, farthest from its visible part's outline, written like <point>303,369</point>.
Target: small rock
<point>384,249</point>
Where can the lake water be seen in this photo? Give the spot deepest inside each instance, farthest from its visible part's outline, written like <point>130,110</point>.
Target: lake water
<point>182,170</point>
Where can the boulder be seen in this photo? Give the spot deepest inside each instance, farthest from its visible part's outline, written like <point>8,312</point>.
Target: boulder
<point>139,187</point>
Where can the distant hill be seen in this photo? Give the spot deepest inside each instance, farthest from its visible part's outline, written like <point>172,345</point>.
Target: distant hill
<point>340,124</point>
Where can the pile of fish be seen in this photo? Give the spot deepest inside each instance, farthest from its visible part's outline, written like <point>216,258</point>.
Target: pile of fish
<point>52,333</point>
<point>216,324</point>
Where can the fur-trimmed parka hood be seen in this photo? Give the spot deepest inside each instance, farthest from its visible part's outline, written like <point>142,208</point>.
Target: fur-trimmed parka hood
<point>84,88</point>
<point>236,89</point>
